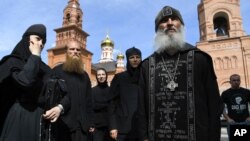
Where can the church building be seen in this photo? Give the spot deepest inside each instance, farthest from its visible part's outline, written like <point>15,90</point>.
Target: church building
<point>71,30</point>
<point>223,37</point>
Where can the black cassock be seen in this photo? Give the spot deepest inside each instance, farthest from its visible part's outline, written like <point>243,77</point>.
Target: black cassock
<point>190,112</point>
<point>123,107</point>
<point>21,82</point>
<point>100,98</point>
<point>76,121</point>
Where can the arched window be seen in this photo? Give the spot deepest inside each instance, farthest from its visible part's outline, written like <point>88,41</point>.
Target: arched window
<point>234,62</point>
<point>78,18</point>
<point>221,24</point>
<point>218,63</point>
<point>68,17</point>
<point>227,63</point>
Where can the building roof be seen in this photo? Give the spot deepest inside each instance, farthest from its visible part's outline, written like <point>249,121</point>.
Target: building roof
<point>108,66</point>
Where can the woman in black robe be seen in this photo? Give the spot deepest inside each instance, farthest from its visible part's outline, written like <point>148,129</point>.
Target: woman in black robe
<point>23,75</point>
<point>123,107</point>
<point>100,106</point>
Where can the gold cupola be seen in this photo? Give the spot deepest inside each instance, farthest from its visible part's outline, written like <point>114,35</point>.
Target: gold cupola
<point>107,42</point>
<point>120,56</point>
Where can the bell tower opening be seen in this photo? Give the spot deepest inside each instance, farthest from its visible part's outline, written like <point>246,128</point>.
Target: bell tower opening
<point>68,18</point>
<point>222,36</point>
<point>221,26</point>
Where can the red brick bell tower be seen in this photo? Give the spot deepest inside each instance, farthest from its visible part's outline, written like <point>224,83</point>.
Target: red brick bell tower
<point>71,30</point>
<point>223,37</point>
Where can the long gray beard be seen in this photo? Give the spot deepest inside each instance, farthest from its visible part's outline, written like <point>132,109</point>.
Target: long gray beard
<point>170,43</point>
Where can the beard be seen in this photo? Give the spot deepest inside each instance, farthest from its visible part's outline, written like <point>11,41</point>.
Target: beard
<point>169,42</point>
<point>74,65</point>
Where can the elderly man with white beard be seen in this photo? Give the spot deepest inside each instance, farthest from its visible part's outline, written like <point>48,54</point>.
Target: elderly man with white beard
<point>179,98</point>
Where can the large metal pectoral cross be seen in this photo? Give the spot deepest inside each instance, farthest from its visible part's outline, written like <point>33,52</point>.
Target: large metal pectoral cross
<point>172,85</point>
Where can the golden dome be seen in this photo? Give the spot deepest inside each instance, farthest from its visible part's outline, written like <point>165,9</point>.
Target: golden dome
<point>107,42</point>
<point>120,56</point>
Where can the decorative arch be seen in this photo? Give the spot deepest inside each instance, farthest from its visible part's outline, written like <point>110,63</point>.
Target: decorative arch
<point>226,63</point>
<point>79,18</point>
<point>234,61</point>
<point>218,63</point>
<point>221,24</point>
<point>220,14</point>
<point>68,17</point>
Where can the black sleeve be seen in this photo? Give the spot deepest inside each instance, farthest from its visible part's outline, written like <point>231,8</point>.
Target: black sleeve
<point>89,104</point>
<point>114,96</point>
<point>215,104</point>
<point>248,95</point>
<point>65,101</point>
<point>142,102</point>
<point>27,75</point>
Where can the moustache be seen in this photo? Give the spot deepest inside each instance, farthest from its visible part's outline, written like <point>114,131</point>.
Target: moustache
<point>166,30</point>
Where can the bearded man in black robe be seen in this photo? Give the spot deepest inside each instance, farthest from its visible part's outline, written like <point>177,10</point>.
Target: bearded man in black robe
<point>179,99</point>
<point>23,75</point>
<point>74,124</point>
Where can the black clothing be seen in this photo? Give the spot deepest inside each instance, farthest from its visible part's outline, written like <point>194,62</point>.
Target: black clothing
<point>123,106</point>
<point>132,51</point>
<point>237,101</point>
<point>190,112</point>
<point>100,100</point>
<point>133,72</point>
<point>77,119</point>
<point>21,81</point>
<point>36,29</point>
<point>22,48</point>
<point>24,81</point>
<point>100,105</point>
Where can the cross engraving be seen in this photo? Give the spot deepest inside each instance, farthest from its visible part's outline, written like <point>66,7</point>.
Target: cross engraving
<point>172,85</point>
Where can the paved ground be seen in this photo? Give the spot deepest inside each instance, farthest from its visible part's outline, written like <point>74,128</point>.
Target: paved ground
<point>224,136</point>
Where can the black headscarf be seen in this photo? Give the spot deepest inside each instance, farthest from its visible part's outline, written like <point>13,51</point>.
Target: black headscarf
<point>22,48</point>
<point>134,72</point>
<point>105,83</point>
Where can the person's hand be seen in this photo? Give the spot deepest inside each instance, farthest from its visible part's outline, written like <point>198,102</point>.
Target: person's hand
<point>113,133</point>
<point>91,129</point>
<point>53,114</point>
<point>35,45</point>
<point>229,120</point>
<point>248,119</point>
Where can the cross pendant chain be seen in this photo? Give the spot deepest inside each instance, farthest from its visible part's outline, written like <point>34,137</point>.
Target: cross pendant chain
<point>171,85</point>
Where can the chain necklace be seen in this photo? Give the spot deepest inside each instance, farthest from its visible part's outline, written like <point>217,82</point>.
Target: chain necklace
<point>171,84</point>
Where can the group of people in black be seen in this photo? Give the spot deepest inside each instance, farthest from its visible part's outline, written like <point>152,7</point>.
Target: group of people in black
<point>172,95</point>
<point>76,112</point>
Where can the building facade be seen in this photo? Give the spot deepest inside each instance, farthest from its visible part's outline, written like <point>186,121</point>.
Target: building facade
<point>223,37</point>
<point>72,30</point>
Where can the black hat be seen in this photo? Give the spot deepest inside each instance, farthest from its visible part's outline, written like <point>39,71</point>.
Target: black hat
<point>133,51</point>
<point>37,29</point>
<point>165,12</point>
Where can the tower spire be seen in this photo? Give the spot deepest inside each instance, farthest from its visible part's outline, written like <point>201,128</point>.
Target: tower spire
<point>107,46</point>
<point>72,14</point>
<point>219,19</point>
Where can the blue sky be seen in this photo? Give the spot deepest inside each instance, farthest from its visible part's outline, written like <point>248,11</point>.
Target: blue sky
<point>128,22</point>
